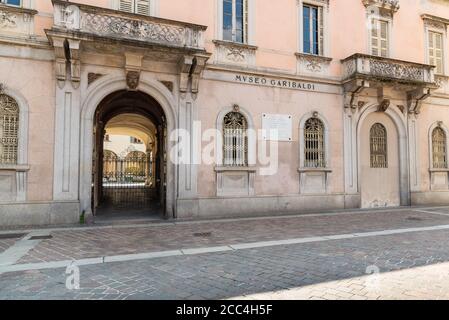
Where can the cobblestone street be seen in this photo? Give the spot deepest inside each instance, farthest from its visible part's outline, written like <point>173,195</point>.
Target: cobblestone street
<point>388,254</point>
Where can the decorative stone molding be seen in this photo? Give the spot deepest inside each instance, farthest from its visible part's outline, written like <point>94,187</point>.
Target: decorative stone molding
<point>16,20</point>
<point>435,22</point>
<point>127,26</point>
<point>309,64</point>
<point>380,69</point>
<point>92,77</point>
<point>132,79</point>
<point>169,85</point>
<point>234,53</point>
<point>385,7</point>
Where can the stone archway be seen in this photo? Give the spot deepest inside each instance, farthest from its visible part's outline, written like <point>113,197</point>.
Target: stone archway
<point>101,90</point>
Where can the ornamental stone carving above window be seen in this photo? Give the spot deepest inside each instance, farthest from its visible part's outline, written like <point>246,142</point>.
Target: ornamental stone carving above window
<point>9,127</point>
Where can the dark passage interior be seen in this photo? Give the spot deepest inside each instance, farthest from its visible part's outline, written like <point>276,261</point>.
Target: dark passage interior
<point>129,158</point>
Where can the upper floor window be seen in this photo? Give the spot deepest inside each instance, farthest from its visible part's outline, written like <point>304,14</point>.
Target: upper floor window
<point>9,128</point>
<point>136,6</point>
<point>235,20</point>
<point>235,140</point>
<point>378,146</point>
<point>439,152</point>
<point>313,30</point>
<point>435,47</point>
<point>314,148</point>
<point>379,38</point>
<point>12,2</point>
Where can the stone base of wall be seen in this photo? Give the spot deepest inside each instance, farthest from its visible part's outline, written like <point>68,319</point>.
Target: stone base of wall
<point>39,213</point>
<point>258,206</point>
<point>430,198</point>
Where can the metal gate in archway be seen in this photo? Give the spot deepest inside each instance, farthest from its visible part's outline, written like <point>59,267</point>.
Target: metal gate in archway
<point>127,182</point>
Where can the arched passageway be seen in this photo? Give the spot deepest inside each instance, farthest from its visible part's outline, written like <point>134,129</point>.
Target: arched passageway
<point>129,167</point>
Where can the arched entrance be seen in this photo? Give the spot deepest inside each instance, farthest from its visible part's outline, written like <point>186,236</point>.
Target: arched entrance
<point>129,157</point>
<point>379,162</point>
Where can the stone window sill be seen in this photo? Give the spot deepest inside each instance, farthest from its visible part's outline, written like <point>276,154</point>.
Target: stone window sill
<point>10,8</point>
<point>235,169</point>
<point>439,170</point>
<point>320,58</point>
<point>15,167</point>
<point>234,44</point>
<point>303,170</point>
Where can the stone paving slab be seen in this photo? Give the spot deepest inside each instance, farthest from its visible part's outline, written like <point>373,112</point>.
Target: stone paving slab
<point>77,244</point>
<point>412,266</point>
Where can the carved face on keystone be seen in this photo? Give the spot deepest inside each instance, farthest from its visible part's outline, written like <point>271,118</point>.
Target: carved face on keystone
<point>132,79</point>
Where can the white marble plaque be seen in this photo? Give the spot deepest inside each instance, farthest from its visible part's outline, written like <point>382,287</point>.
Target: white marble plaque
<point>281,123</point>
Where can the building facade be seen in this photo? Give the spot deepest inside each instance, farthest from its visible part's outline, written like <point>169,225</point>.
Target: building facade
<point>246,106</point>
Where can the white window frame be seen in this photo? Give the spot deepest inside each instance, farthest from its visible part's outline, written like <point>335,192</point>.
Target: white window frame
<point>432,28</point>
<point>324,5</point>
<point>154,7</point>
<point>251,29</point>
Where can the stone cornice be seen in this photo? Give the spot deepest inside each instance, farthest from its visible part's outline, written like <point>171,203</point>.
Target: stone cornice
<point>433,18</point>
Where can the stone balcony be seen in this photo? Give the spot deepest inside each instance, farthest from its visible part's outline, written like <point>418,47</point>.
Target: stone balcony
<point>94,23</point>
<point>378,69</point>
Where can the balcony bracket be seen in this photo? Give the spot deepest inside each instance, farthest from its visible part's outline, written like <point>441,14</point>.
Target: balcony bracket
<point>353,89</point>
<point>415,99</point>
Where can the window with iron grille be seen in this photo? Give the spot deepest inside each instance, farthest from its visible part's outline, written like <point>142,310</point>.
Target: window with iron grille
<point>439,152</point>
<point>314,148</point>
<point>9,128</point>
<point>378,146</point>
<point>235,140</point>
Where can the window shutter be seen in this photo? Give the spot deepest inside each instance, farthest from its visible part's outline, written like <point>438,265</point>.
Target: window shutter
<point>383,39</point>
<point>143,7</point>
<point>320,31</point>
<point>436,51</point>
<point>126,5</point>
<point>245,21</point>
<point>379,38</point>
<point>374,38</point>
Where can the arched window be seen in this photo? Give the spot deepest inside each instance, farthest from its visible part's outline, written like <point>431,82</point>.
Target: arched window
<point>378,146</point>
<point>9,128</point>
<point>314,148</point>
<point>439,152</point>
<point>235,140</point>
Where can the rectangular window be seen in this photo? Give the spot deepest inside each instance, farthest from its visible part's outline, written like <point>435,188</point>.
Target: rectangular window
<point>235,20</point>
<point>313,30</point>
<point>12,2</point>
<point>379,38</point>
<point>436,51</point>
<point>135,6</point>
